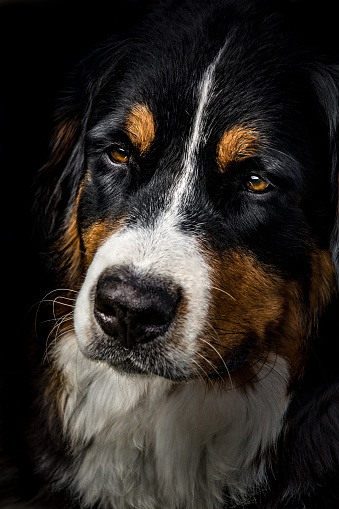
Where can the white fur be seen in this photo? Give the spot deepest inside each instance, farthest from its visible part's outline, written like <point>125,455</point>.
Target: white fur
<point>197,136</point>
<point>149,443</point>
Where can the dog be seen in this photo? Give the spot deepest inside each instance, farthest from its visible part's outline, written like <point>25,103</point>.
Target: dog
<point>191,209</point>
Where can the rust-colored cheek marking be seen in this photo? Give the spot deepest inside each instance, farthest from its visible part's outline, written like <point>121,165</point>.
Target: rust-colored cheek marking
<point>96,235</point>
<point>252,305</point>
<point>140,128</point>
<point>236,145</point>
<point>76,250</point>
<point>69,247</point>
<point>245,298</point>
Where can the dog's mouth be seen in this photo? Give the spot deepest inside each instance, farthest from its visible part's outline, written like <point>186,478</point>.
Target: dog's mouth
<point>143,359</point>
<point>160,357</point>
<point>134,324</point>
<point>142,326</point>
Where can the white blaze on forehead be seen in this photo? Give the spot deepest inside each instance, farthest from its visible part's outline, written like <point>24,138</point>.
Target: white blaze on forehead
<point>197,134</point>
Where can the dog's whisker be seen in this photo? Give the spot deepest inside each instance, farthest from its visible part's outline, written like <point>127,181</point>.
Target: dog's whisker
<point>57,301</point>
<point>58,323</point>
<point>56,334</point>
<point>222,360</point>
<point>210,363</point>
<point>50,344</point>
<point>223,291</point>
<point>45,300</point>
<point>200,368</point>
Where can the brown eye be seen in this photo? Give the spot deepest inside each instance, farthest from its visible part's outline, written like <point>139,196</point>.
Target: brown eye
<point>118,155</point>
<point>256,184</point>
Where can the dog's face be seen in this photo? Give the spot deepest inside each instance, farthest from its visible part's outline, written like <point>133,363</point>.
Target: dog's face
<point>199,236</point>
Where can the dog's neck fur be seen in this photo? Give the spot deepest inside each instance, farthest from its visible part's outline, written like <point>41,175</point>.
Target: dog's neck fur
<point>149,443</point>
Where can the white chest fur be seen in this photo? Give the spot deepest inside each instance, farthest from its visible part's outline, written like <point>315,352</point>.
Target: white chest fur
<point>148,443</point>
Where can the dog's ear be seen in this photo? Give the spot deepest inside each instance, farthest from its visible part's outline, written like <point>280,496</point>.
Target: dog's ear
<point>326,81</point>
<point>58,181</point>
<point>59,178</point>
<point>55,231</point>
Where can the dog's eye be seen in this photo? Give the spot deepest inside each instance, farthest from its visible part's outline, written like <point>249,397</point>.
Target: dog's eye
<point>256,184</point>
<point>118,155</point>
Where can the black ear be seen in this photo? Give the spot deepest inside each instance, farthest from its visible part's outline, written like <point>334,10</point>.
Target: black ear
<point>326,81</point>
<point>59,179</point>
<point>55,208</point>
<point>57,183</point>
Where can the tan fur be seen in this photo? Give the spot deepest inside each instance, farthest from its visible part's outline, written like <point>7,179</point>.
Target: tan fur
<point>250,299</point>
<point>236,144</point>
<point>140,128</point>
<point>95,236</point>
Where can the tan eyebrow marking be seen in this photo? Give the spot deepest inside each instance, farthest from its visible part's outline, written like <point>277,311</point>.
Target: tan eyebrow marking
<point>140,128</point>
<point>236,145</point>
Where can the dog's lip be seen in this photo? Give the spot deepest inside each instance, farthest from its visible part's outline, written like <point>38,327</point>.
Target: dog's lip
<point>142,359</point>
<point>119,359</point>
<point>139,361</point>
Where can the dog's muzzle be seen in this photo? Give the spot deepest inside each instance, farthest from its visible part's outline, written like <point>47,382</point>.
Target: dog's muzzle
<point>144,302</point>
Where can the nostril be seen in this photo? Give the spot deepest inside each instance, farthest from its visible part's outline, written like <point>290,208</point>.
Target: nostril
<point>108,312</point>
<point>133,310</point>
<point>104,307</point>
<point>106,316</point>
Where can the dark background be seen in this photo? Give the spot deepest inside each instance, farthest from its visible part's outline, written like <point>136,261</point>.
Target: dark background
<point>39,43</point>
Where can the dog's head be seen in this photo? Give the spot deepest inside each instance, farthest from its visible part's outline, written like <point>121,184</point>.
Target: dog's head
<point>194,190</point>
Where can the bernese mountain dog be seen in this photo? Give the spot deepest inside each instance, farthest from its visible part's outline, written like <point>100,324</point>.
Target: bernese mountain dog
<point>191,209</point>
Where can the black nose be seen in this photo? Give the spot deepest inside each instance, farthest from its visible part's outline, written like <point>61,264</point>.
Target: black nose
<point>132,309</point>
